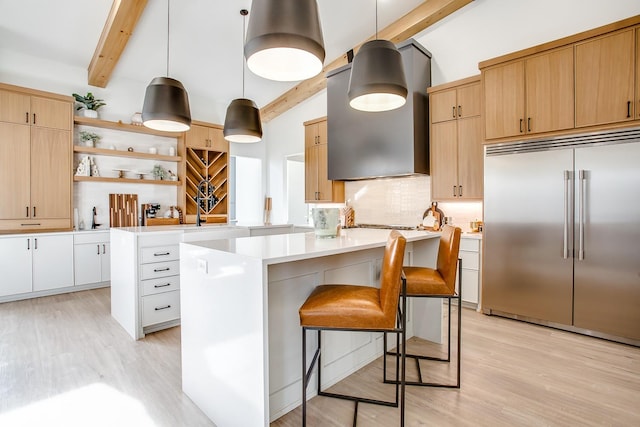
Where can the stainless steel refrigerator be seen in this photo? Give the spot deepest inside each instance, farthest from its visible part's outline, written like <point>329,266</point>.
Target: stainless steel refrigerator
<point>562,233</point>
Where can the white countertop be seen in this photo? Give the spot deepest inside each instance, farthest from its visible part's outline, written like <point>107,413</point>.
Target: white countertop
<point>194,228</point>
<point>282,248</point>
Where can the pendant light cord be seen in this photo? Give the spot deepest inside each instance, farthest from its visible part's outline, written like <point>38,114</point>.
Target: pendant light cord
<point>168,14</point>
<point>376,19</point>
<point>244,13</point>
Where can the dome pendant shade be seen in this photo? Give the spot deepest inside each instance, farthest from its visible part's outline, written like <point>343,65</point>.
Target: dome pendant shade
<point>377,81</point>
<point>242,122</point>
<point>166,106</point>
<point>284,40</point>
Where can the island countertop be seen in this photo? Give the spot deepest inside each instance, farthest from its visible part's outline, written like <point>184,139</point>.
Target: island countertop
<point>240,333</point>
<point>282,248</point>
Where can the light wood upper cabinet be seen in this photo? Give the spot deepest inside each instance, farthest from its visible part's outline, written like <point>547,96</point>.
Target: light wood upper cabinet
<point>443,148</point>
<point>50,173</point>
<point>530,96</point>
<point>470,158</point>
<point>15,149</point>
<point>318,187</point>
<point>35,160</point>
<point>455,103</point>
<point>456,149</point>
<point>549,91</point>
<point>605,79</point>
<point>203,136</point>
<point>504,100</point>
<point>16,107</point>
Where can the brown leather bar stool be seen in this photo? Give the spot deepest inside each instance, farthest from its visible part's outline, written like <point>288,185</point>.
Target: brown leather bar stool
<point>425,282</point>
<point>358,308</point>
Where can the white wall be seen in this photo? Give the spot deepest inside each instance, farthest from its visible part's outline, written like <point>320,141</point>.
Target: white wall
<point>285,136</point>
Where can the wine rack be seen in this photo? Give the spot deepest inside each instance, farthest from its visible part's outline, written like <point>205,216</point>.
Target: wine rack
<point>204,166</point>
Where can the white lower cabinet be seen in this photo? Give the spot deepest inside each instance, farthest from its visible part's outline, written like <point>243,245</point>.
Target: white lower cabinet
<point>33,263</point>
<point>15,264</point>
<point>91,258</point>
<point>471,256</point>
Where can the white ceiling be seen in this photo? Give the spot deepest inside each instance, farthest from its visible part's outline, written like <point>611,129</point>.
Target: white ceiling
<point>205,39</point>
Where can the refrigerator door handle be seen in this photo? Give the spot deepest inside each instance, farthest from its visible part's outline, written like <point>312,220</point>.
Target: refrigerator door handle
<point>567,180</point>
<point>583,184</point>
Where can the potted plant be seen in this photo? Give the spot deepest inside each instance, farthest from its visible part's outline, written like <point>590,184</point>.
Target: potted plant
<point>159,172</point>
<point>89,139</point>
<point>88,104</point>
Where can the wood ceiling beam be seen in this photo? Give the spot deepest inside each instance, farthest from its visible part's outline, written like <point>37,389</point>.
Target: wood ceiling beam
<point>122,20</point>
<point>423,16</point>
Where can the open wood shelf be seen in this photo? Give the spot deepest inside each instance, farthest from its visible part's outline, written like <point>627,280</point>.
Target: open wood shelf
<point>126,180</point>
<point>122,126</point>
<point>120,153</point>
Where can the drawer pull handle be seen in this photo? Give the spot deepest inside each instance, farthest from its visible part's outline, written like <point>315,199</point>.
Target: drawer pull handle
<point>162,254</point>
<point>162,286</point>
<point>157,270</point>
<point>162,308</point>
<point>26,225</point>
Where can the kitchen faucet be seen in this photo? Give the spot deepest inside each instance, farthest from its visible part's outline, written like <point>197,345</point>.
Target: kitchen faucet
<point>205,194</point>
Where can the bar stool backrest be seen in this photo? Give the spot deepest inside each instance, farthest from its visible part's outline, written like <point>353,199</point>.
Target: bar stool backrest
<point>448,252</point>
<point>391,276</point>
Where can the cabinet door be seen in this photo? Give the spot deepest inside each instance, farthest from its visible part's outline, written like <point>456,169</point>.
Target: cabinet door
<point>14,171</point>
<point>51,113</point>
<point>637,104</point>
<point>469,101</point>
<point>311,174</point>
<point>311,135</point>
<point>470,158</point>
<point>504,100</point>
<point>444,171</point>
<point>443,106</point>
<point>15,265</point>
<point>217,141</point>
<point>550,99</point>
<point>325,186</point>
<point>197,137</point>
<point>50,173</point>
<point>52,262</point>
<point>87,263</point>
<point>105,261</point>
<point>14,107</point>
<point>605,79</point>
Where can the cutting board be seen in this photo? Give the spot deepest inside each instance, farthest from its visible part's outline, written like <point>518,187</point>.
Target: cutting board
<point>123,210</point>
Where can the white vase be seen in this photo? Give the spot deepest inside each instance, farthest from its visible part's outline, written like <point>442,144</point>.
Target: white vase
<point>90,113</point>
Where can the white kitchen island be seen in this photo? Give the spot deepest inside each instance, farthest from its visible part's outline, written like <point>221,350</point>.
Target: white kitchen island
<point>241,339</point>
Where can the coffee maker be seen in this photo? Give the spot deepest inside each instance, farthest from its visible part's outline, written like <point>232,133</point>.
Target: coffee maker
<point>150,210</point>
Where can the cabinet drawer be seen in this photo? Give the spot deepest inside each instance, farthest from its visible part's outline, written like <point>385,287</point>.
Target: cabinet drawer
<point>159,269</point>
<point>91,237</point>
<point>470,260</point>
<point>160,253</point>
<point>160,308</point>
<point>156,286</point>
<point>469,245</point>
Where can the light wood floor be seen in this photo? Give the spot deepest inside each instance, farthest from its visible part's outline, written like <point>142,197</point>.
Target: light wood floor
<point>65,362</point>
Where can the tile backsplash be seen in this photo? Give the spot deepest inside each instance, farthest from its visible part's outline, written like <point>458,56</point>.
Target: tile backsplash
<point>398,201</point>
<point>403,201</point>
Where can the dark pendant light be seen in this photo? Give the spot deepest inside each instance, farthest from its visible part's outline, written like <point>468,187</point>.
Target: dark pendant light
<point>166,102</point>
<point>242,122</point>
<point>284,40</point>
<point>377,81</point>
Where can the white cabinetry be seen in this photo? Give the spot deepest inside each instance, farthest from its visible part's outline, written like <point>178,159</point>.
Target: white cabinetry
<point>145,274</point>
<point>31,265</point>
<point>91,258</point>
<point>15,264</point>
<point>471,255</point>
